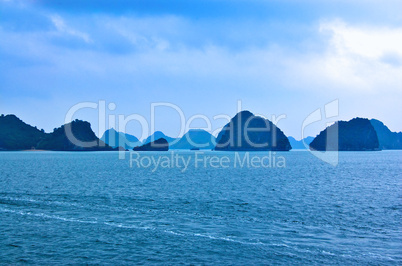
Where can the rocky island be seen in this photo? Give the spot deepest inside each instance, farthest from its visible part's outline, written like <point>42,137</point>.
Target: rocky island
<point>387,139</point>
<point>158,135</point>
<point>195,139</point>
<point>117,139</point>
<point>85,139</point>
<point>355,135</point>
<point>247,132</point>
<point>157,145</point>
<point>16,135</point>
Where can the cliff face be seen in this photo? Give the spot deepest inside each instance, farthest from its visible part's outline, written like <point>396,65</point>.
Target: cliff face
<point>157,145</point>
<point>17,135</point>
<point>388,140</point>
<point>247,132</point>
<point>195,138</point>
<point>355,135</point>
<point>81,130</point>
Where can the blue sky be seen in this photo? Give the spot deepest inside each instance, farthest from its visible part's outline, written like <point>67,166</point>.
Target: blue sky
<point>278,57</point>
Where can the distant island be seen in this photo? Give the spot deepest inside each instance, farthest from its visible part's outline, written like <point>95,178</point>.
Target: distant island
<point>81,130</point>
<point>387,140</point>
<point>157,145</point>
<point>158,135</point>
<point>117,139</point>
<point>195,139</point>
<point>17,135</point>
<point>247,132</point>
<point>357,134</point>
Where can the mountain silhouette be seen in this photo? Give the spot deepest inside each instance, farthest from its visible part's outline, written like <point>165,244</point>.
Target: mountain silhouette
<point>17,135</point>
<point>195,138</point>
<point>355,135</point>
<point>247,132</point>
<point>58,140</point>
<point>117,139</point>
<point>157,135</point>
<point>388,140</point>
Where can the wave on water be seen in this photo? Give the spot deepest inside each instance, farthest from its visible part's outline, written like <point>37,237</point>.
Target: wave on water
<point>127,226</point>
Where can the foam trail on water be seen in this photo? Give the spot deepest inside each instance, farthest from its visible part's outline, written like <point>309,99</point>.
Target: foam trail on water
<point>119,225</point>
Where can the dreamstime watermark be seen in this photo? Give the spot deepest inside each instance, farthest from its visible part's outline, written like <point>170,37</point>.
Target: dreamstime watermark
<point>200,159</point>
<point>244,130</point>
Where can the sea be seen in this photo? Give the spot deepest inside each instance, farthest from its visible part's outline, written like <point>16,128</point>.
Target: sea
<point>223,208</point>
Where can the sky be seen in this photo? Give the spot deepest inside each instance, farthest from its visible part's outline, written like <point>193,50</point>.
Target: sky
<point>280,58</point>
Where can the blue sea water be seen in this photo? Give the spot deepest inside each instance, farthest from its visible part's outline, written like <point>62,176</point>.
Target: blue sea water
<point>91,207</point>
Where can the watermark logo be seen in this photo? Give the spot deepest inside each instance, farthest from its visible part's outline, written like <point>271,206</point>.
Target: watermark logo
<point>243,132</point>
<point>200,159</point>
<point>331,112</point>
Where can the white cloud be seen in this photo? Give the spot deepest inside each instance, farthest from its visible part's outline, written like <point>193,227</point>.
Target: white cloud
<point>61,26</point>
<point>372,43</point>
<point>355,59</point>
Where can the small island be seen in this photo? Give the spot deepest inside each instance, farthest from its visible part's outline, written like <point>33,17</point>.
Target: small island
<point>247,132</point>
<point>120,140</point>
<point>157,145</point>
<point>195,139</point>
